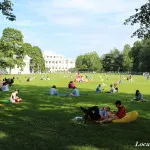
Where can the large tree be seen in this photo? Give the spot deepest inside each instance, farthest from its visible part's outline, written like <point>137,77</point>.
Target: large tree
<point>145,59</point>
<point>89,62</point>
<point>11,46</point>
<point>6,8</point>
<point>135,54</point>
<point>141,17</point>
<point>108,62</point>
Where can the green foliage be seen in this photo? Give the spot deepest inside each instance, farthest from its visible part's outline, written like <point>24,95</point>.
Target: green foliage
<point>89,62</point>
<point>140,54</point>
<point>127,60</point>
<point>141,17</point>
<point>12,35</point>
<point>37,63</point>
<point>11,46</point>
<point>108,62</point>
<point>13,51</point>
<point>113,61</point>
<point>6,8</point>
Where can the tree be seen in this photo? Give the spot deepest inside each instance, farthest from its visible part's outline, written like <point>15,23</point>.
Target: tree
<point>81,63</point>
<point>37,63</point>
<point>127,60</point>
<point>135,54</point>
<point>6,8</point>
<point>89,62</point>
<point>145,59</point>
<point>108,62</point>
<point>141,17</point>
<point>11,47</point>
<point>117,60</point>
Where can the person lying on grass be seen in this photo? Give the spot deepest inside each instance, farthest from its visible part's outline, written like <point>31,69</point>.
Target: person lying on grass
<point>14,98</point>
<point>95,113</point>
<point>75,92</point>
<point>53,91</point>
<point>118,115</point>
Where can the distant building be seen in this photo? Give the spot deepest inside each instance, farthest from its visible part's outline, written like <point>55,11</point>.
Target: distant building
<point>25,70</point>
<point>57,63</point>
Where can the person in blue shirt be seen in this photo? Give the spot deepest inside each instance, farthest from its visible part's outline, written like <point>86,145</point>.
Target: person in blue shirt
<point>98,89</point>
<point>75,92</point>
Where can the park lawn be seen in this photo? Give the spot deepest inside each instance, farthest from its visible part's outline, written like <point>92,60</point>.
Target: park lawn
<point>44,122</point>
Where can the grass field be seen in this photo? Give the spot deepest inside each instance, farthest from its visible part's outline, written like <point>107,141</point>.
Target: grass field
<point>44,122</point>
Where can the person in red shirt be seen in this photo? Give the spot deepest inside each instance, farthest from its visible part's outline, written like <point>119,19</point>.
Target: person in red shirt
<point>118,115</point>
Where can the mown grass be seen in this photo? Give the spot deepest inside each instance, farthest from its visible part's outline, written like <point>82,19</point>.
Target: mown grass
<point>44,122</point>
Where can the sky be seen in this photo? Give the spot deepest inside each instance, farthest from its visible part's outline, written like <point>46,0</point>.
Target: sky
<point>74,27</point>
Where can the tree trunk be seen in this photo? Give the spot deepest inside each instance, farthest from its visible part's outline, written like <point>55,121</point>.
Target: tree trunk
<point>9,70</point>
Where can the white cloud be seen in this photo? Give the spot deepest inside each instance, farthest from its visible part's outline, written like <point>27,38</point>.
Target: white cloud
<point>98,6</point>
<point>78,25</point>
<point>68,20</point>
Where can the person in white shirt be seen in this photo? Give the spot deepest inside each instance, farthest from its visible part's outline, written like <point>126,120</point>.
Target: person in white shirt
<point>5,87</point>
<point>53,91</point>
<point>14,98</point>
<point>75,92</point>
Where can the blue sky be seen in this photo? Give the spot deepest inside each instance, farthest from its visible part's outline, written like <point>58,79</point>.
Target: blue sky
<point>74,27</point>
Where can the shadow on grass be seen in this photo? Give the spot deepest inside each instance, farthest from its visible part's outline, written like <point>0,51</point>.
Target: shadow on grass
<point>46,122</point>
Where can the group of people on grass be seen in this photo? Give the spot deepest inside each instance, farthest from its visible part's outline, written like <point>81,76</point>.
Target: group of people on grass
<point>53,91</point>
<point>102,115</point>
<point>81,78</point>
<point>5,83</point>
<point>113,88</point>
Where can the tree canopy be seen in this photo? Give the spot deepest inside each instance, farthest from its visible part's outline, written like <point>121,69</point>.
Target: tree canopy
<point>6,6</point>
<point>13,50</point>
<point>141,17</point>
<point>89,62</point>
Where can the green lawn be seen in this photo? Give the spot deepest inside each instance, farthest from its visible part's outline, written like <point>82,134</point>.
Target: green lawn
<point>44,122</point>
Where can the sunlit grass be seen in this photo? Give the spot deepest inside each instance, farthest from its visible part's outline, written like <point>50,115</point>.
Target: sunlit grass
<point>46,122</point>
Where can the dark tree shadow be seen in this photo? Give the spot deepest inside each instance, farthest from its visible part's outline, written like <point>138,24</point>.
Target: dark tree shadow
<point>47,122</point>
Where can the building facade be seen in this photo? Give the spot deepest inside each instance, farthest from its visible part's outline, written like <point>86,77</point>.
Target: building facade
<point>57,63</point>
<point>24,70</point>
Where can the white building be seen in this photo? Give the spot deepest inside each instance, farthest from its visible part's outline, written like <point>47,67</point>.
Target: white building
<point>25,70</point>
<point>57,63</point>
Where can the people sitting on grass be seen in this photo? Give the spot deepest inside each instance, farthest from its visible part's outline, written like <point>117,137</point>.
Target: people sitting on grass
<point>9,81</point>
<point>5,87</point>
<point>98,89</point>
<point>75,92</point>
<point>129,77</point>
<point>14,98</point>
<point>71,85</point>
<point>53,91</point>
<point>112,89</point>
<point>115,87</point>
<point>139,96</point>
<point>30,79</point>
<point>117,115</point>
